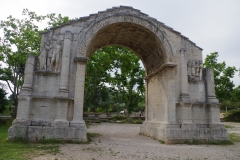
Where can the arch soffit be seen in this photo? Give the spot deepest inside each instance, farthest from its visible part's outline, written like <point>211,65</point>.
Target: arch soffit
<point>88,33</point>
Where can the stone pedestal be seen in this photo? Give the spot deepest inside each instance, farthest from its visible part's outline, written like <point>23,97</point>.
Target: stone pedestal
<point>175,133</point>
<point>36,133</point>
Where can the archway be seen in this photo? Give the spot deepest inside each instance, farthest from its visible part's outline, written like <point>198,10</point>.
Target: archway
<point>114,82</point>
<point>180,99</point>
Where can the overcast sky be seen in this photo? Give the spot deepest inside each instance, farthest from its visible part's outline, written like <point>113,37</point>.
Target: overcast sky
<point>213,25</point>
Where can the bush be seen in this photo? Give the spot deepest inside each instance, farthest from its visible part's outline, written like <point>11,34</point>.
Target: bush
<point>233,116</point>
<point>118,117</point>
<point>3,100</point>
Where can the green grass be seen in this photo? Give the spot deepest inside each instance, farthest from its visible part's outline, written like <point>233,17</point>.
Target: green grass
<point>20,149</point>
<point>228,126</point>
<point>234,137</point>
<point>90,136</point>
<point>162,141</point>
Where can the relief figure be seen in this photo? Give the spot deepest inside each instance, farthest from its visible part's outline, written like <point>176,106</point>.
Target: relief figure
<point>43,57</point>
<point>55,59</point>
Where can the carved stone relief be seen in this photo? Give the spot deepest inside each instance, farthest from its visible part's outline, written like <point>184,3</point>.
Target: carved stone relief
<point>56,55</point>
<point>45,52</point>
<point>49,58</point>
<point>194,68</point>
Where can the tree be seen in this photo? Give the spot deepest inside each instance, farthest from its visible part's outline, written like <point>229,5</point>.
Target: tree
<point>117,70</point>
<point>128,79</point>
<point>3,100</point>
<point>20,38</point>
<point>236,94</point>
<point>224,86</point>
<point>97,77</point>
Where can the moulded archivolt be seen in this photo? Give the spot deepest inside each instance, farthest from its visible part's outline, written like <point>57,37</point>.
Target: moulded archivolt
<point>105,21</point>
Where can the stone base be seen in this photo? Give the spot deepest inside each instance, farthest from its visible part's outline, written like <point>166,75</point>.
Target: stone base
<point>36,133</point>
<point>176,133</point>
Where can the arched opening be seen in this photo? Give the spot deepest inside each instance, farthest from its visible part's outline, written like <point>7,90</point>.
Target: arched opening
<point>147,46</point>
<point>114,82</point>
<point>142,41</point>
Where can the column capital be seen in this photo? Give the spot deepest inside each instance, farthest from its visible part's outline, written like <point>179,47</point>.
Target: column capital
<point>182,51</point>
<point>68,35</point>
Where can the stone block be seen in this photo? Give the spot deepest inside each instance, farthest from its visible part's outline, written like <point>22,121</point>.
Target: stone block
<point>15,132</point>
<point>35,133</point>
<point>48,133</point>
<point>59,123</point>
<point>181,133</point>
<point>40,123</point>
<point>78,133</point>
<point>21,122</point>
<point>60,133</point>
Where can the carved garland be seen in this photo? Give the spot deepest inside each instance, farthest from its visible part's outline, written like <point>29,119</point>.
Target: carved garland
<point>115,19</point>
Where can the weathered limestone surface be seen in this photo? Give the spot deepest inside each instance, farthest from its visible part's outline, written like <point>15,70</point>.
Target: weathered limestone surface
<point>180,99</point>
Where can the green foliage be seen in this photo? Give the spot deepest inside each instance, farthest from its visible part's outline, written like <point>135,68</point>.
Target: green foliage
<point>228,126</point>
<point>114,76</point>
<point>3,100</point>
<point>234,137</point>
<point>232,116</point>
<point>231,105</point>
<point>236,95</point>
<point>118,117</point>
<point>222,76</point>
<point>90,136</point>
<point>20,38</point>
<point>138,121</point>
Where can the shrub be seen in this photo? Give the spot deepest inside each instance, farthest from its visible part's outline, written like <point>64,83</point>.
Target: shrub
<point>233,116</point>
<point>118,117</point>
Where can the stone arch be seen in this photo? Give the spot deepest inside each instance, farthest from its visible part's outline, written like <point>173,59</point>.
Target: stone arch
<point>153,46</point>
<point>180,97</point>
<point>154,30</point>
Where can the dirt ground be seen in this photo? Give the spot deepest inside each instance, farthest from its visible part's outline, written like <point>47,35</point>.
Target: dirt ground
<point>122,141</point>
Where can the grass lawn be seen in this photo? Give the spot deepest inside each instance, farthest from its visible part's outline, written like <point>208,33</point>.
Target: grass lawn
<point>22,150</point>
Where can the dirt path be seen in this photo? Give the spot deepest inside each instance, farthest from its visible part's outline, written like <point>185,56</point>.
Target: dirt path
<point>122,141</point>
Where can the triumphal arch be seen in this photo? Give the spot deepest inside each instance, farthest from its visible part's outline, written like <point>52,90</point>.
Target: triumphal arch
<point>180,98</point>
